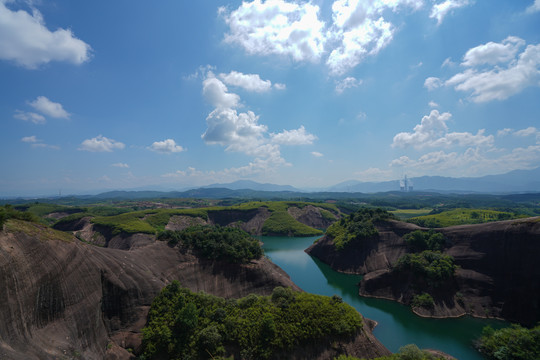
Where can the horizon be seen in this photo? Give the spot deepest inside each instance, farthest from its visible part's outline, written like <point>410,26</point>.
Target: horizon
<point>118,96</point>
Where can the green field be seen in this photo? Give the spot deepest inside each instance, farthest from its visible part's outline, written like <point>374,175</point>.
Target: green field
<point>406,214</point>
<point>462,217</point>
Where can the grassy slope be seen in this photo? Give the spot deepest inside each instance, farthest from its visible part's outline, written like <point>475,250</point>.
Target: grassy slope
<point>154,220</point>
<point>461,217</point>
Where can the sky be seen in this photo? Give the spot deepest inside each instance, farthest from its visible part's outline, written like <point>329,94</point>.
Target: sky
<point>102,95</point>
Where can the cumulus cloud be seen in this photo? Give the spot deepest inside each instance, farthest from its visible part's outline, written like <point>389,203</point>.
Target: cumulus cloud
<point>440,10</point>
<point>535,7</point>
<point>504,132</point>
<point>250,82</point>
<point>316,154</point>
<point>433,104</point>
<point>531,130</point>
<point>166,146</point>
<point>277,27</point>
<point>472,161</point>
<point>120,165</point>
<point>433,132</point>
<point>358,29</point>
<point>432,83</point>
<point>347,83</point>
<point>241,131</point>
<point>216,92</point>
<point>30,116</point>
<point>293,137</point>
<point>496,71</point>
<point>49,108</point>
<point>101,144</point>
<point>25,39</point>
<point>493,53</point>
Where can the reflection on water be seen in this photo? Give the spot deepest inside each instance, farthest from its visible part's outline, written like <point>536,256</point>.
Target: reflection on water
<point>398,326</point>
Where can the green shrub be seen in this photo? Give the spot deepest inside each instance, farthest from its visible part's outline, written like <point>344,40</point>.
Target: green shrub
<point>515,342</point>
<point>356,227</point>
<point>425,300</point>
<point>419,240</point>
<point>183,324</point>
<point>216,242</point>
<point>433,266</point>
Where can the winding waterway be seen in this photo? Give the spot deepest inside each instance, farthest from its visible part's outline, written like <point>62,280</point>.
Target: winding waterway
<point>397,325</point>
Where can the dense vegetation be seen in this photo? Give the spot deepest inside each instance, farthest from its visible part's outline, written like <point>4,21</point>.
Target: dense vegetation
<point>407,352</point>
<point>461,217</point>
<point>419,240</point>
<point>187,325</point>
<point>356,227</point>
<point>8,212</point>
<point>432,266</point>
<point>216,243</point>
<point>512,343</point>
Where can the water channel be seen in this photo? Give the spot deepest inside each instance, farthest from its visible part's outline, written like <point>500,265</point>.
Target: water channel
<point>397,325</point>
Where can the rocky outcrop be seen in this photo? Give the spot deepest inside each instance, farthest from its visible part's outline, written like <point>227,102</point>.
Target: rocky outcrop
<point>312,216</point>
<point>251,221</point>
<point>64,298</point>
<point>377,253</point>
<point>497,276</point>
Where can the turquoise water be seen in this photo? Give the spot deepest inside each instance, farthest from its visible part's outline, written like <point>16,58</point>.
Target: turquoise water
<point>397,325</point>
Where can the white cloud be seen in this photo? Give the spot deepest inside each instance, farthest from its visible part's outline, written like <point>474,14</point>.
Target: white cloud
<point>498,83</point>
<point>49,108</point>
<point>120,165</point>
<point>25,39</point>
<point>295,30</point>
<point>250,82</point>
<point>277,27</point>
<point>30,116</point>
<point>493,53</point>
<point>432,83</point>
<point>101,144</point>
<point>241,131</point>
<point>37,143</point>
<point>504,132</point>
<point>237,131</point>
<point>29,139</point>
<point>316,154</point>
<point>347,83</point>
<point>217,93</point>
<point>531,130</point>
<point>293,137</point>
<point>279,86</point>
<point>360,30</point>
<point>439,11</point>
<point>433,132</point>
<point>448,62</point>
<point>433,104</point>
<point>472,162</point>
<point>535,7</point>
<point>166,146</point>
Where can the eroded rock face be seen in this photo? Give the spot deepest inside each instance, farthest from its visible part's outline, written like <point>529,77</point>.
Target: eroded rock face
<point>311,216</point>
<point>69,299</point>
<point>74,299</point>
<point>498,274</point>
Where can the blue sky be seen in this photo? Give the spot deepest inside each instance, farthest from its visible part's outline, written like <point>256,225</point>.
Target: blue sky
<point>133,94</point>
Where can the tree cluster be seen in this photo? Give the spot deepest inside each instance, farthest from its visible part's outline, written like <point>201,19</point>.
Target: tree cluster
<point>216,243</point>
<point>187,325</point>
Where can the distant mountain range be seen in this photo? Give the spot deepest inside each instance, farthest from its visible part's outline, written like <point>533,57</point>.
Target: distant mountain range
<point>513,181</point>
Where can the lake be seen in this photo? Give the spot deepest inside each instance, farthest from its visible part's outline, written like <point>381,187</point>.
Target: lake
<point>397,325</point>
